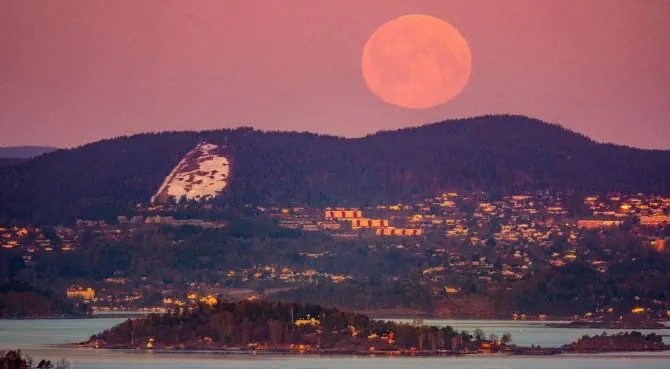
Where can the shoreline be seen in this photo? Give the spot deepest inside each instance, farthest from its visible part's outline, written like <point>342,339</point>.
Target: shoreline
<point>620,325</point>
<point>558,323</point>
<point>94,316</point>
<point>507,351</point>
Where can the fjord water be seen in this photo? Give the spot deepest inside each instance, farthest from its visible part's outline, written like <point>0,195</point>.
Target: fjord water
<point>45,338</point>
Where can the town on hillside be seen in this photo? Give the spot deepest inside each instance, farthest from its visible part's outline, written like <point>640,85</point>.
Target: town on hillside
<point>460,245</point>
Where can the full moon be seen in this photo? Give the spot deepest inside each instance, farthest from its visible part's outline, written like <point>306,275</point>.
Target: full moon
<point>416,61</point>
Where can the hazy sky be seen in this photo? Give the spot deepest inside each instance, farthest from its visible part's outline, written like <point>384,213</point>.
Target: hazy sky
<point>72,72</point>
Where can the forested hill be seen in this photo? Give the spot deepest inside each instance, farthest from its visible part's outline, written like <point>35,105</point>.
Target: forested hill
<point>500,154</point>
<point>24,152</point>
<point>276,326</point>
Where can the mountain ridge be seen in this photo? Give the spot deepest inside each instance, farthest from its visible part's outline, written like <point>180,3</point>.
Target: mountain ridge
<point>291,168</point>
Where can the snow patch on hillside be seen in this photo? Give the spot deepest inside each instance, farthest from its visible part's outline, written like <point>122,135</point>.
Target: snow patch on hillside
<point>202,174</point>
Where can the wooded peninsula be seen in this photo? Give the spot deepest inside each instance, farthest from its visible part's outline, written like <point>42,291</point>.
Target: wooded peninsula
<point>278,327</point>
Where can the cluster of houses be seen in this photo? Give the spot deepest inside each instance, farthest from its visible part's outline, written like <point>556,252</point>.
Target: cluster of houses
<point>341,222</point>
<point>524,219</point>
<point>521,228</point>
<point>285,274</point>
<point>77,292</point>
<point>650,209</point>
<point>517,226</point>
<point>32,239</point>
<point>171,221</point>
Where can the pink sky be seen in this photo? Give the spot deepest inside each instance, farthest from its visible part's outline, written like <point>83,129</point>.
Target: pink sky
<point>72,72</point>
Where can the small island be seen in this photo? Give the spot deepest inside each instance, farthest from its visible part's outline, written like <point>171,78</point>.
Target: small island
<point>629,341</point>
<point>279,327</point>
<point>276,327</point>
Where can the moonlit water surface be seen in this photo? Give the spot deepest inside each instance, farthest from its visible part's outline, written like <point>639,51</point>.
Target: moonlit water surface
<point>41,339</point>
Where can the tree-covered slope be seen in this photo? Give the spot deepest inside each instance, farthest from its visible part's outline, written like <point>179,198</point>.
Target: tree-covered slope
<point>500,154</point>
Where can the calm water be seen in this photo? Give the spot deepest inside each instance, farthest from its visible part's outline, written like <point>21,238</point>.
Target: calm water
<point>526,333</point>
<point>39,338</point>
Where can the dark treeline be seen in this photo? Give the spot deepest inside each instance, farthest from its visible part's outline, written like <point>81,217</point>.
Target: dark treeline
<point>18,300</point>
<point>499,154</point>
<point>272,324</point>
<point>625,341</point>
<point>15,360</point>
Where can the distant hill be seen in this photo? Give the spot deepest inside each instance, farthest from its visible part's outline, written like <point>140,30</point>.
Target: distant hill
<point>24,152</point>
<point>499,154</point>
